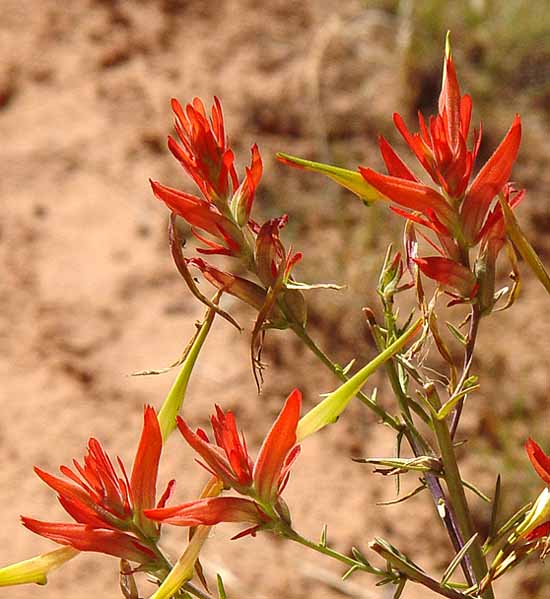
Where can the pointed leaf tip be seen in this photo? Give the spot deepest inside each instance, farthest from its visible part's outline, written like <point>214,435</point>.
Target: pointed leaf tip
<point>351,180</point>
<point>36,569</point>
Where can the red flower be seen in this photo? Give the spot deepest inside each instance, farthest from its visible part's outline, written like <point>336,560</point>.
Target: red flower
<point>455,210</point>
<point>204,153</point>
<point>540,461</point>
<point>263,480</point>
<point>107,506</point>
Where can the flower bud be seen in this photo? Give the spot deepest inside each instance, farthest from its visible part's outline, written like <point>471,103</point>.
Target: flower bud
<point>537,515</point>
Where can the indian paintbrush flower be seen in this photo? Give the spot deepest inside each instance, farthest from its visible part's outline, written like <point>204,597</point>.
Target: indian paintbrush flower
<point>225,205</point>
<point>107,505</point>
<point>220,220</point>
<point>261,481</point>
<point>456,209</point>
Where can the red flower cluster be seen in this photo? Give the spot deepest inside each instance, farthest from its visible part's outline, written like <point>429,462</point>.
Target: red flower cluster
<point>204,153</point>
<point>220,219</point>
<point>261,481</point>
<point>458,212</point>
<point>108,506</point>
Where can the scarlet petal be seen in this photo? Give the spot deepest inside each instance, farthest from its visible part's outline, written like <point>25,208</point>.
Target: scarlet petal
<point>86,538</point>
<point>198,213</point>
<point>540,461</point>
<point>84,514</point>
<point>145,470</point>
<point>243,289</point>
<point>277,445</point>
<point>210,511</point>
<point>71,492</point>
<point>449,104</point>
<point>396,167</point>
<point>448,272</point>
<point>410,194</point>
<point>490,181</point>
<point>211,454</point>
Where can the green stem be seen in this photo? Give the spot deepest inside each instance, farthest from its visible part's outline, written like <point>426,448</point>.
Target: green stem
<point>413,573</point>
<point>472,337</point>
<point>456,490</point>
<point>195,591</point>
<point>417,443</point>
<point>338,371</point>
<point>292,535</point>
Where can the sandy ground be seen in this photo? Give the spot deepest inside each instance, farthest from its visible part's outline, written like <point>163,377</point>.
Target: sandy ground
<point>89,294</point>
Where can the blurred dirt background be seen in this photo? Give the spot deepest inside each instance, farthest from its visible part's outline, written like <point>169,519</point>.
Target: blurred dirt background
<point>89,294</point>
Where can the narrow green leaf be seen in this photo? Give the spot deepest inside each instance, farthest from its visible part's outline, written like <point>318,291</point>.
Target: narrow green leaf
<point>404,497</point>
<point>495,508</point>
<point>172,404</point>
<point>475,490</point>
<point>351,180</point>
<point>448,406</point>
<point>328,410</point>
<point>184,567</point>
<point>417,464</point>
<point>221,589</point>
<point>348,367</point>
<point>360,557</point>
<point>350,572</point>
<point>457,334</point>
<point>323,541</point>
<point>522,244</point>
<point>457,559</point>
<point>400,588</point>
<point>36,569</point>
<point>506,528</point>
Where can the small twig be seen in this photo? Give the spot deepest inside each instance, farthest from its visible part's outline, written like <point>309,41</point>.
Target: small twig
<point>412,573</point>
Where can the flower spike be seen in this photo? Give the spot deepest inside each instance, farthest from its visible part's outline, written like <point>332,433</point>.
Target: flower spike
<point>228,459</point>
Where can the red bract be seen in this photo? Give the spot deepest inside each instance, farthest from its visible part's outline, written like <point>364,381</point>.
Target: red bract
<point>540,461</point>
<point>263,480</point>
<point>448,273</point>
<point>204,153</point>
<point>107,506</point>
<point>272,260</point>
<point>540,532</point>
<point>489,182</point>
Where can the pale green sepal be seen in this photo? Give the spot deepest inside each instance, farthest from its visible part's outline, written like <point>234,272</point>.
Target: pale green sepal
<point>522,244</point>
<point>351,180</point>
<point>172,404</point>
<point>334,404</point>
<point>183,570</point>
<point>36,569</point>
<point>537,515</point>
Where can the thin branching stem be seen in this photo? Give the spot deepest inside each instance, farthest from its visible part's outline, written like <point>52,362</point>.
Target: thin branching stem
<point>417,443</point>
